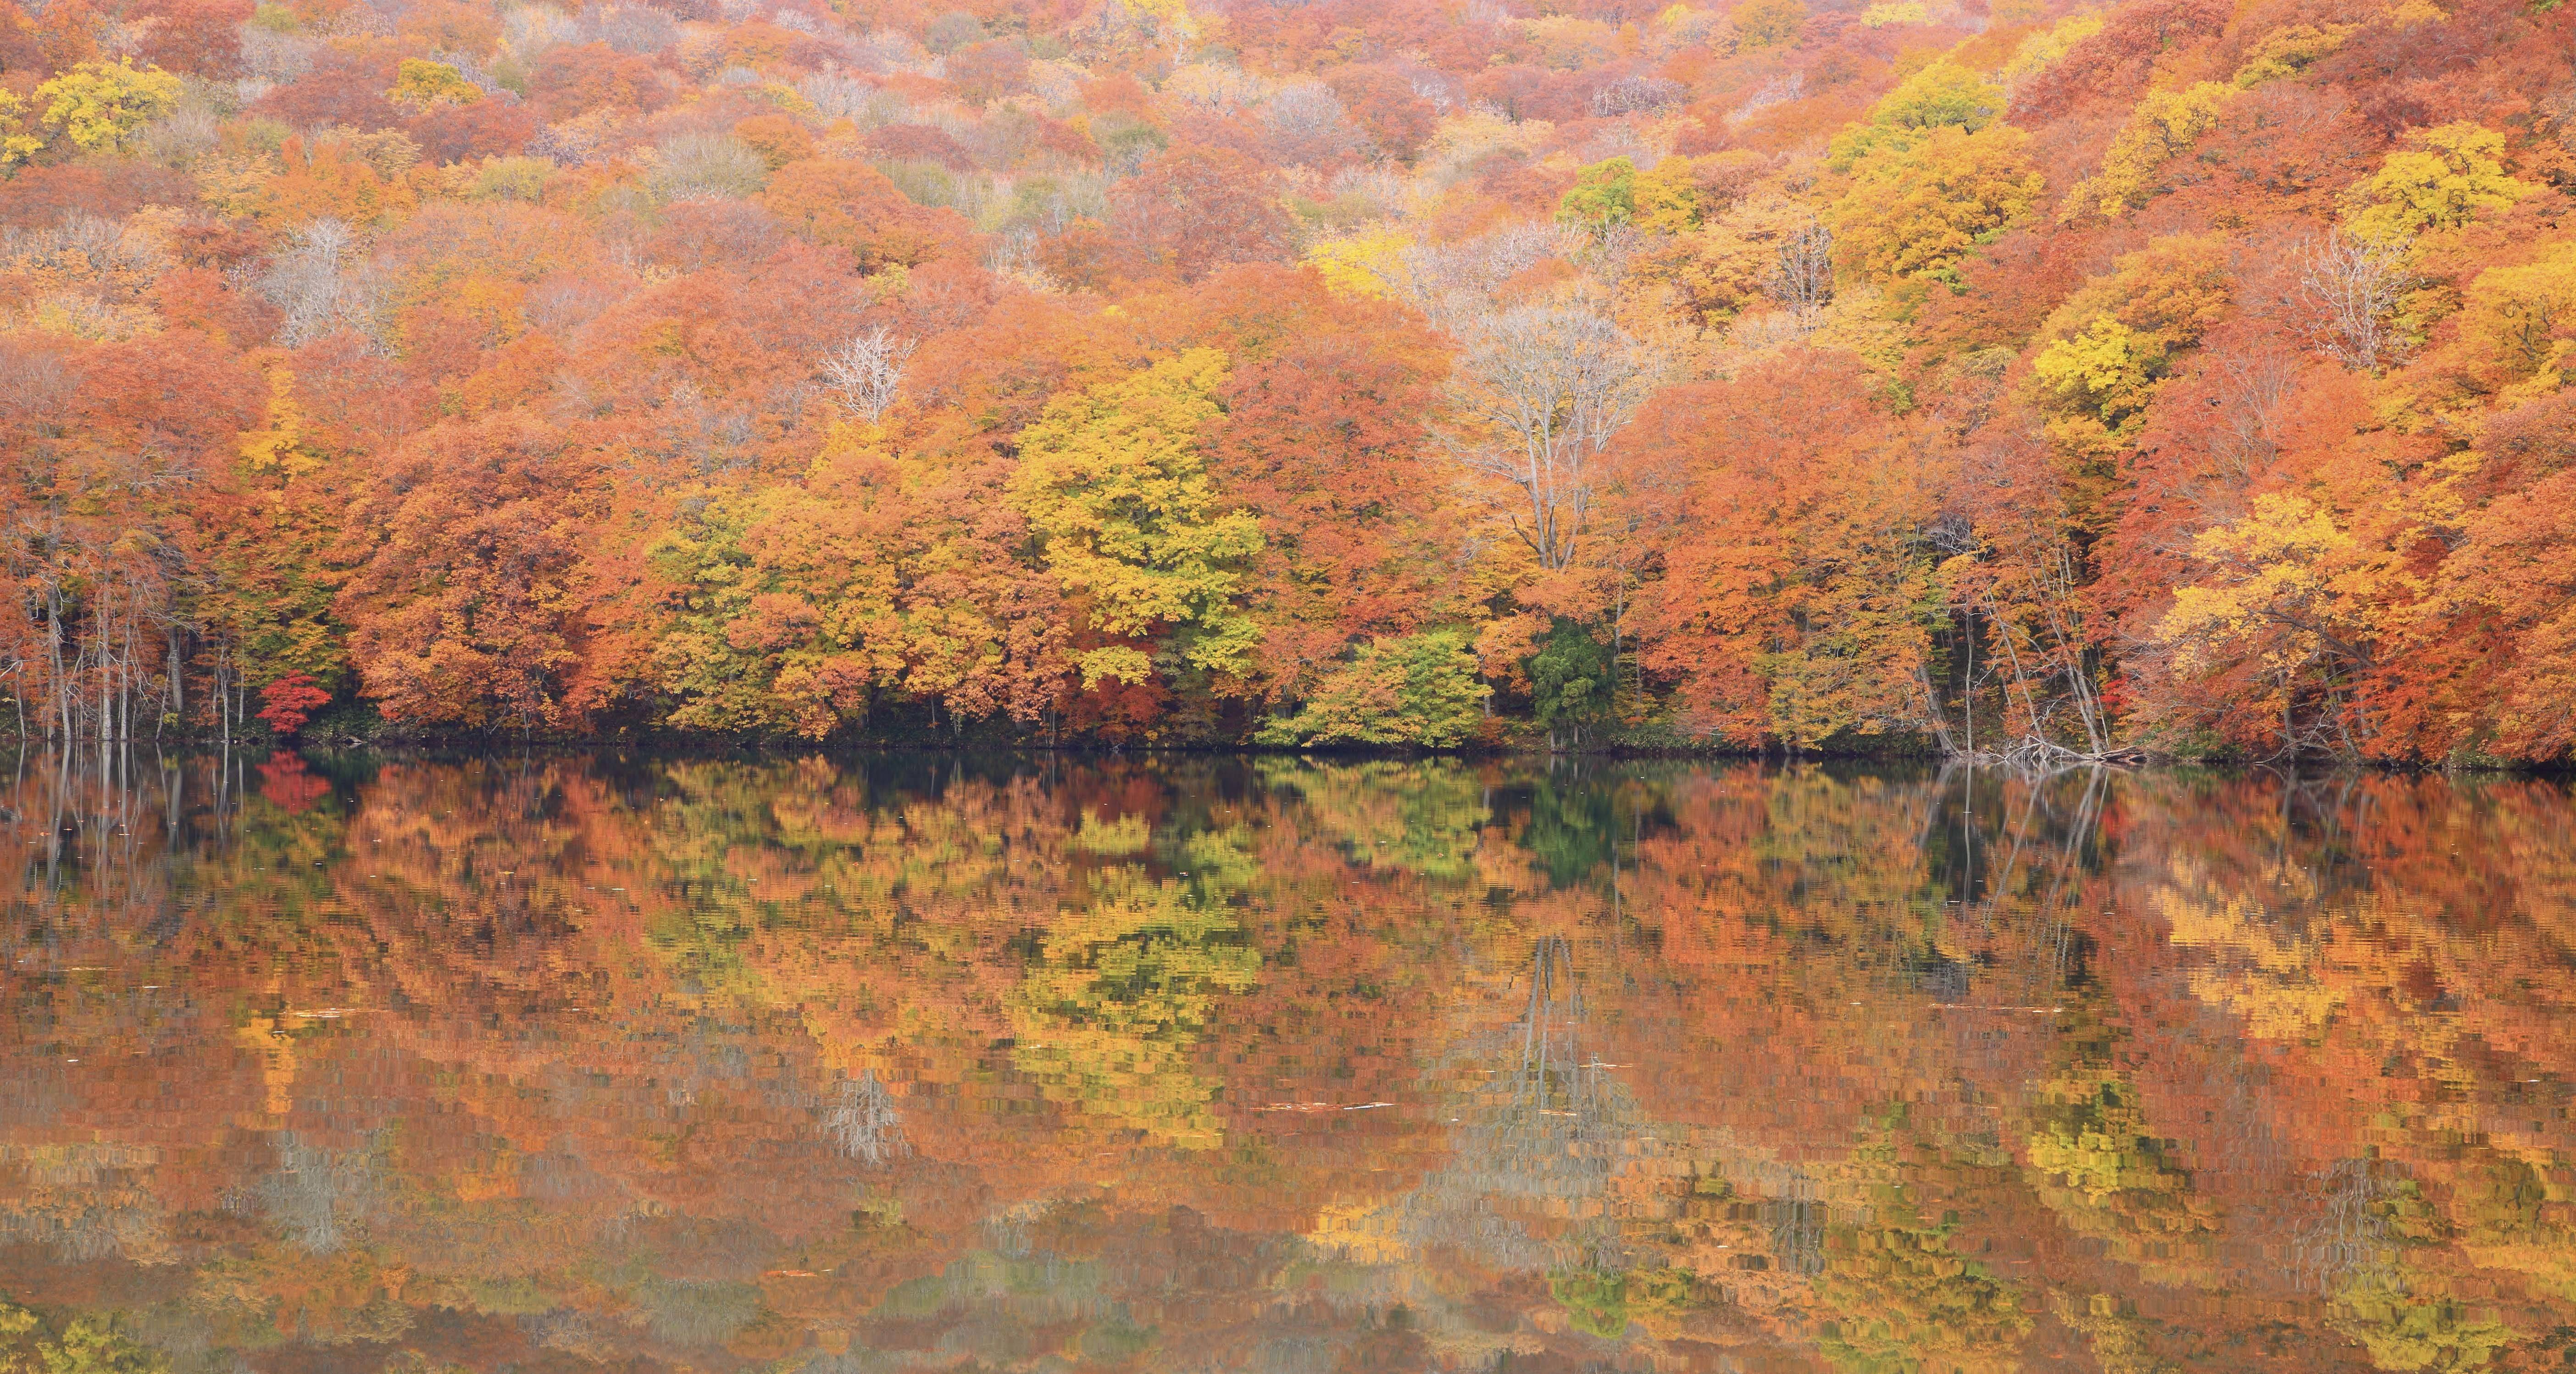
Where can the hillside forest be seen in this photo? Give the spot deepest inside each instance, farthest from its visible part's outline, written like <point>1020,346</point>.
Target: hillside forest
<point>1993,377</point>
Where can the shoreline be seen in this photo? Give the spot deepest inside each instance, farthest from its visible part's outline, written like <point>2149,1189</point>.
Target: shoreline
<point>447,746</point>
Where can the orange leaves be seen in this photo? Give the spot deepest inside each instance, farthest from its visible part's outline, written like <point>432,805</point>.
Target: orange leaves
<point>853,206</point>
<point>360,180</point>
<point>469,612</point>
<point>649,235</point>
<point>1193,209</point>
<point>576,80</point>
<point>1791,605</point>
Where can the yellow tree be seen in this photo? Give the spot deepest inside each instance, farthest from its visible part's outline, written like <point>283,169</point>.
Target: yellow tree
<point>2163,127</point>
<point>99,105</point>
<point>2441,180</point>
<point>1114,482</point>
<point>1917,211</point>
<point>2284,609</point>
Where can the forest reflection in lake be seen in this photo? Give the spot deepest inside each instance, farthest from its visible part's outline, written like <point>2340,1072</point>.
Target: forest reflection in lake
<point>861,1064</point>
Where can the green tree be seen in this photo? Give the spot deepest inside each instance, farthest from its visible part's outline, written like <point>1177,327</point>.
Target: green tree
<point>1603,195</point>
<point>1418,690</point>
<point>1570,677</point>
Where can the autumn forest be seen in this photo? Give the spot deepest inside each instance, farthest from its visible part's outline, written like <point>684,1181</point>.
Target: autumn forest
<point>1999,378</point>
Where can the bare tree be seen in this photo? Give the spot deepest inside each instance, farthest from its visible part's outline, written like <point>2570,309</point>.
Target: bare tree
<point>2355,285</point>
<point>1802,271</point>
<point>2253,391</point>
<point>321,285</point>
<point>1634,94</point>
<point>867,371</point>
<point>1543,389</point>
<point>1454,284</point>
<point>1802,280</point>
<point>1779,90</point>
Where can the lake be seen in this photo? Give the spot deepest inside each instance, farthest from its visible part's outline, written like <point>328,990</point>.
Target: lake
<point>840,1064</point>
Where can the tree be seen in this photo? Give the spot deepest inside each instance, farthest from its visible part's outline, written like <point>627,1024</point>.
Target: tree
<point>1604,195</point>
<point>2441,180</point>
<point>2164,126</point>
<point>1768,23</point>
<point>1386,104</point>
<point>422,84</point>
<point>290,701</point>
<point>866,371</point>
<point>2355,285</point>
<point>1794,597</point>
<point>1420,690</point>
<point>17,141</point>
<point>1540,391</point>
<point>2112,344</point>
<point>854,206</point>
<point>1942,95</point>
<point>1327,441</point>
<point>1193,209</point>
<point>2278,603</point>
<point>1113,482</point>
<point>202,37</point>
<point>99,105</point>
<point>469,612</point>
<point>1918,211</point>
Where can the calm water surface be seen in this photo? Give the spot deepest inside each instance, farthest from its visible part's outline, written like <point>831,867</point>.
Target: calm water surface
<point>839,1065</point>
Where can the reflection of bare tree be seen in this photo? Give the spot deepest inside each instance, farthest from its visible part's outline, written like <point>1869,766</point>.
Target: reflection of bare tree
<point>863,1123</point>
<point>2349,1241</point>
<point>316,1196</point>
<point>84,1202</point>
<point>1537,1143</point>
<point>2026,909</point>
<point>1796,1217</point>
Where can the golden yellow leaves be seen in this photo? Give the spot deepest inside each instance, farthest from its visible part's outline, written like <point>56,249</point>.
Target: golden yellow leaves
<point>1918,211</point>
<point>2443,179</point>
<point>422,84</point>
<point>2164,126</point>
<point>2277,582</point>
<point>1113,480</point>
<point>99,105</point>
<point>279,447</point>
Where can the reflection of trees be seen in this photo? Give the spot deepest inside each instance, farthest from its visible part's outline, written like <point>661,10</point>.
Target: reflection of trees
<point>2356,1251</point>
<point>1542,1127</point>
<point>1109,1013</point>
<point>2098,1163</point>
<point>2053,850</point>
<point>317,1196</point>
<point>862,1121</point>
<point>1896,1291</point>
<point>83,1202</point>
<point>627,1060</point>
<point>2353,1237</point>
<point>1422,816</point>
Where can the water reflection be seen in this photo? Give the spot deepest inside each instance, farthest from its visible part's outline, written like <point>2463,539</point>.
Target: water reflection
<point>1019,1063</point>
